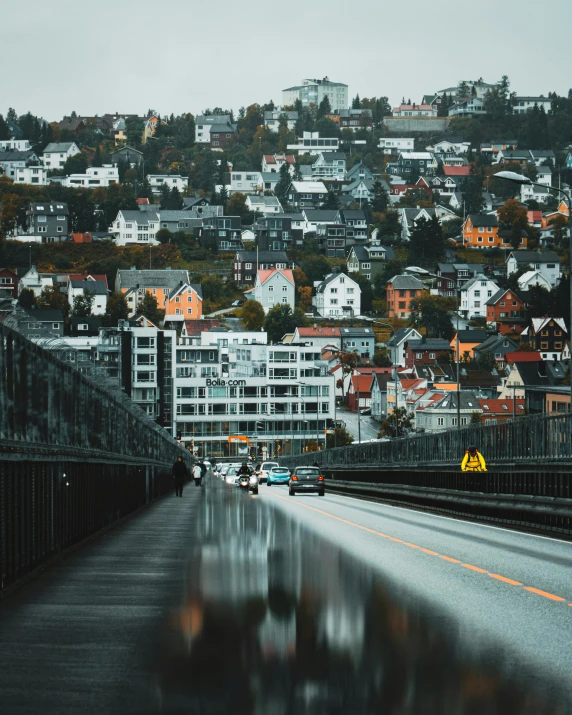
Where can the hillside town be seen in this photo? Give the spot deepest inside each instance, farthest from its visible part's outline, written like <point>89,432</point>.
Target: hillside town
<point>267,280</point>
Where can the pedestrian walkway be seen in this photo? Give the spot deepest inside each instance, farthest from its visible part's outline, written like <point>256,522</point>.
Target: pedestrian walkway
<point>78,638</point>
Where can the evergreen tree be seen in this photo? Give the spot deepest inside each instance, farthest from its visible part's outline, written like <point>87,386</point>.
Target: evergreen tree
<point>175,200</point>
<point>473,194</point>
<point>165,199</point>
<point>150,309</point>
<point>380,200</point>
<point>356,103</point>
<point>97,161</point>
<point>281,190</point>
<point>5,132</point>
<point>82,305</point>
<point>11,116</point>
<point>324,108</point>
<point>144,191</point>
<point>332,201</point>
<point>117,309</point>
<point>426,241</point>
<point>463,91</point>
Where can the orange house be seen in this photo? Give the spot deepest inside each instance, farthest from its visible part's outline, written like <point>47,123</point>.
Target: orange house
<point>183,303</point>
<point>399,292</point>
<point>482,231</point>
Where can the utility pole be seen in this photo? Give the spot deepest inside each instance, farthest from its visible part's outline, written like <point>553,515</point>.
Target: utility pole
<point>457,356</point>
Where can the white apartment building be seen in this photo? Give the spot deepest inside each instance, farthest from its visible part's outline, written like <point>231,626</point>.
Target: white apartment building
<point>57,153</point>
<point>94,177</point>
<point>172,181</point>
<point>312,143</point>
<point>395,145</point>
<point>37,175</point>
<point>17,144</point>
<point>337,296</point>
<point>237,395</point>
<point>313,91</point>
<point>475,294</point>
<point>135,228</point>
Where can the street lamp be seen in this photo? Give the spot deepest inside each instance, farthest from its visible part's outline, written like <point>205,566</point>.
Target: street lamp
<point>395,378</point>
<point>522,180</point>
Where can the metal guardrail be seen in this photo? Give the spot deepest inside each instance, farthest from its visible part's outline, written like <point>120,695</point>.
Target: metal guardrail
<point>534,439</point>
<point>75,456</point>
<point>534,499</point>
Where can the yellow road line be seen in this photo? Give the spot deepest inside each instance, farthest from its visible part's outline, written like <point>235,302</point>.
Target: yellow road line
<point>430,552</point>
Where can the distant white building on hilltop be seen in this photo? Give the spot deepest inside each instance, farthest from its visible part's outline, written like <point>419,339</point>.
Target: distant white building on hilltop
<point>313,91</point>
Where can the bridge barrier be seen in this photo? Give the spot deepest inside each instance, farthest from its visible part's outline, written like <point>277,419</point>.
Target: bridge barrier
<point>75,456</point>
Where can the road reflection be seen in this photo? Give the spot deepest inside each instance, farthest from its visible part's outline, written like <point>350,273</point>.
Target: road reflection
<point>276,621</point>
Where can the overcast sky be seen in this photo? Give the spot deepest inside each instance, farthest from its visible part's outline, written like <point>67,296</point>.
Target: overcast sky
<point>187,55</point>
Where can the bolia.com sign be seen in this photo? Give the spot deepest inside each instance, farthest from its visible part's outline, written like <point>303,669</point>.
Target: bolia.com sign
<point>217,382</point>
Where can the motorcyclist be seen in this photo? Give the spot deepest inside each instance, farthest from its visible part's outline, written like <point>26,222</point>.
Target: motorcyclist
<point>244,469</point>
<point>473,461</point>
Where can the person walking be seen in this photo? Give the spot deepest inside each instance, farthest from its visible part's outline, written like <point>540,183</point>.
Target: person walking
<point>473,461</point>
<point>180,472</point>
<point>198,475</point>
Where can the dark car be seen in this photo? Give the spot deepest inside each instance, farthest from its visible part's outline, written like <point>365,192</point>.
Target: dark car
<point>306,479</point>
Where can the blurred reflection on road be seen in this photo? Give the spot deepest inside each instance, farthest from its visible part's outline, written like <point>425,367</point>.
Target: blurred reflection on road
<point>276,621</point>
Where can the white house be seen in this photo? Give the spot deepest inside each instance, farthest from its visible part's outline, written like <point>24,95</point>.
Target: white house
<point>547,264</point>
<point>17,144</point>
<point>313,91</point>
<point>94,177</point>
<point>13,159</point>
<point>450,146</point>
<point>98,289</point>
<point>135,228</point>
<point>540,194</point>
<point>337,295</point>
<point>467,107</point>
<point>57,153</point>
<point>525,104</point>
<point>35,281</point>
<point>474,295</point>
<point>203,125</point>
<point>415,110</point>
<point>272,119</point>
<point>313,143</point>
<point>272,287</point>
<point>395,346</point>
<point>264,204</point>
<point>395,145</point>
<point>244,182</point>
<point>272,163</point>
<point>533,279</point>
<point>172,181</point>
<point>37,175</point>
<point>330,165</point>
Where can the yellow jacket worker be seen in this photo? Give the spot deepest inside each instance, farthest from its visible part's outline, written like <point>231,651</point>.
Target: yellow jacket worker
<point>473,461</point>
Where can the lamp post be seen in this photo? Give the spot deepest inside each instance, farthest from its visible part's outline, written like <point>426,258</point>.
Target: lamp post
<point>388,325</point>
<point>522,180</point>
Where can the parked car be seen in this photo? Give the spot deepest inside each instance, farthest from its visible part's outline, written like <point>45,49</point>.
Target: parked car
<point>278,475</point>
<point>237,304</point>
<point>263,470</point>
<point>306,479</point>
<point>365,411</point>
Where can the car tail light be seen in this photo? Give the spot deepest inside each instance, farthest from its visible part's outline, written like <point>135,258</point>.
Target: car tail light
<point>294,478</point>
<point>320,478</point>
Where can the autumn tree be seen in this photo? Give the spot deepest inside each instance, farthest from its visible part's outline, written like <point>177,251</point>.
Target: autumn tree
<point>252,315</point>
<point>117,309</point>
<point>52,297</point>
<point>149,307</point>
<point>339,438</point>
<point>82,305</point>
<point>281,319</point>
<point>398,424</point>
<point>236,205</point>
<point>513,217</point>
<point>559,226</point>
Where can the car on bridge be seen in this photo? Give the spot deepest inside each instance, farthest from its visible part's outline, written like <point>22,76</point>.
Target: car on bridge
<point>277,475</point>
<point>263,470</point>
<point>306,479</point>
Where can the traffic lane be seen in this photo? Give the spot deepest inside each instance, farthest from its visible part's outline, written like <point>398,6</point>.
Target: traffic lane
<point>477,574</point>
<point>368,428</point>
<point>275,618</point>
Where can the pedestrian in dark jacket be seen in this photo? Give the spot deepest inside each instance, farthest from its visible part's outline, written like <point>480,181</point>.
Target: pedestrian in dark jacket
<point>180,473</point>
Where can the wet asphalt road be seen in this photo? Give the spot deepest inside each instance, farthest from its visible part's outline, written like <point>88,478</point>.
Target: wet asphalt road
<point>226,603</point>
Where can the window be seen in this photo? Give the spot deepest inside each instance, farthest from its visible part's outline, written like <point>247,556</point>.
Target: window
<point>56,326</point>
<point>440,421</point>
<point>432,356</point>
<point>248,266</point>
<point>418,356</point>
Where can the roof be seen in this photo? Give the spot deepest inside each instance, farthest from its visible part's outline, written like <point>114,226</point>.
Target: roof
<point>417,345</point>
<point>93,321</point>
<point>131,278</point>
<point>93,287</point>
<point>322,285</point>
<point>534,257</point>
<point>357,332</point>
<point>457,170</point>
<point>49,207</point>
<point>522,356</point>
<point>264,200</point>
<point>58,147</point>
<point>309,187</point>
<point>194,327</point>
<point>265,275</point>
<point>539,323</point>
<point>477,279</point>
<point>89,276</point>
<point>46,315</point>
<point>467,401</point>
<point>492,344</point>
<point>362,383</point>
<point>123,149</point>
<point>319,215</point>
<point>417,155</point>
<point>139,217</point>
<point>483,219</point>
<point>406,283</point>
<point>16,155</point>
<point>173,215</point>
<point>472,336</point>
<point>399,337</point>
<point>262,257</point>
<point>318,332</point>
<point>503,407</point>
<point>185,286</point>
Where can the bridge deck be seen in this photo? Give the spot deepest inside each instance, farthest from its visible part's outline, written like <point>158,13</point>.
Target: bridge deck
<point>78,638</point>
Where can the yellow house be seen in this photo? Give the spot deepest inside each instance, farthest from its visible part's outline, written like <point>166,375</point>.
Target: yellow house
<point>468,341</point>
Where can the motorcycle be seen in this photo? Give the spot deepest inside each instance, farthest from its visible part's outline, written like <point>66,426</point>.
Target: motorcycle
<point>244,482</point>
